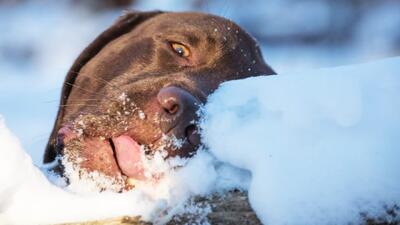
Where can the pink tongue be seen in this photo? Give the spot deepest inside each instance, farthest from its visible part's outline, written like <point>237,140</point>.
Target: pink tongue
<point>128,156</point>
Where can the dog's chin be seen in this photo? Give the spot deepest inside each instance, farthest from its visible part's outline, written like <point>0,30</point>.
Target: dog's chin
<point>90,154</point>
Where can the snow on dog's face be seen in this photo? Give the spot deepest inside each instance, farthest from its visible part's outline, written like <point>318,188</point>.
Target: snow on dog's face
<point>135,91</point>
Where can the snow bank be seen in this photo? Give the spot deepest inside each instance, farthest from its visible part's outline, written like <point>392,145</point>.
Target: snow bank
<point>322,146</point>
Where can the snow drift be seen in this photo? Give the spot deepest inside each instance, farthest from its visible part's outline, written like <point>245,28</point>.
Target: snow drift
<point>322,146</point>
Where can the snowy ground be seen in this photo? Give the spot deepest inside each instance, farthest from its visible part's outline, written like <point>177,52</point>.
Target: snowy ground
<point>321,147</point>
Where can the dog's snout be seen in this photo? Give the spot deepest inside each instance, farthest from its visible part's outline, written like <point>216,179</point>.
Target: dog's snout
<point>176,102</point>
<point>172,99</point>
<point>179,113</point>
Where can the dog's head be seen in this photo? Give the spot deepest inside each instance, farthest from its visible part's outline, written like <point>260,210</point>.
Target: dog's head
<point>141,82</point>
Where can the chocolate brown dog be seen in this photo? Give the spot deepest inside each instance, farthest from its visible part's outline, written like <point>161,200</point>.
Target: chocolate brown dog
<point>141,82</point>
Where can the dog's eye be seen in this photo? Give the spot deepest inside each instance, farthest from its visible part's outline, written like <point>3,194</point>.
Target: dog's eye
<point>180,49</point>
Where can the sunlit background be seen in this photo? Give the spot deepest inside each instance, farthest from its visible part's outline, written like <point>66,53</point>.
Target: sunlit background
<point>39,39</point>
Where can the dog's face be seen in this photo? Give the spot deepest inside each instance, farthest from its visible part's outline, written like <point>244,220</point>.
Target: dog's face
<point>141,82</point>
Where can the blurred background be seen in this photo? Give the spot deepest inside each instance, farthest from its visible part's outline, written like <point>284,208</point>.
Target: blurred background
<point>39,39</point>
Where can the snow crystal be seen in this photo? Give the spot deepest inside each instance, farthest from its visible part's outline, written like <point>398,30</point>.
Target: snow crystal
<point>82,181</point>
<point>123,97</point>
<point>322,146</point>
<point>142,116</point>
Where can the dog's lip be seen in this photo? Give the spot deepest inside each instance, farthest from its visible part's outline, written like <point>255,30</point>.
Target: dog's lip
<point>192,135</point>
<point>128,156</point>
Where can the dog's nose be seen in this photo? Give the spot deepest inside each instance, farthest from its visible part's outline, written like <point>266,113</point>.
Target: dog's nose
<point>174,100</point>
<point>179,113</point>
<point>177,101</point>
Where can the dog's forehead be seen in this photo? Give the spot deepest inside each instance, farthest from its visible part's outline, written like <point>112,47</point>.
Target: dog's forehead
<point>195,19</point>
<point>210,29</point>
<point>194,22</point>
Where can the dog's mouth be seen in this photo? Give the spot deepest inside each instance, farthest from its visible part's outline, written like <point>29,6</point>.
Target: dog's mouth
<point>122,155</point>
<point>129,156</point>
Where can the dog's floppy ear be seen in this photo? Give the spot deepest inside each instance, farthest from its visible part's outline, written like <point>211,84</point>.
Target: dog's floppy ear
<point>123,25</point>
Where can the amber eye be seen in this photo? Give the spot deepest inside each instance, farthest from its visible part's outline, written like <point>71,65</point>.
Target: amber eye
<point>180,49</point>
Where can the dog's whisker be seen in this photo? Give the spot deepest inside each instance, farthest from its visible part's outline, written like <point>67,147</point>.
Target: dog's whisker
<point>79,104</point>
<point>40,137</point>
<point>207,4</point>
<point>222,9</point>
<point>89,99</point>
<point>99,79</point>
<point>225,9</point>
<point>50,101</point>
<point>87,91</point>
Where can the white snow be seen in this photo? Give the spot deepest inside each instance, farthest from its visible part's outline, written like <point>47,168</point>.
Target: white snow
<point>322,146</point>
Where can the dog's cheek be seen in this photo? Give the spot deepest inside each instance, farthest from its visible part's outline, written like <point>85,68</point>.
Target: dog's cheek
<point>98,156</point>
<point>145,128</point>
<point>91,154</point>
